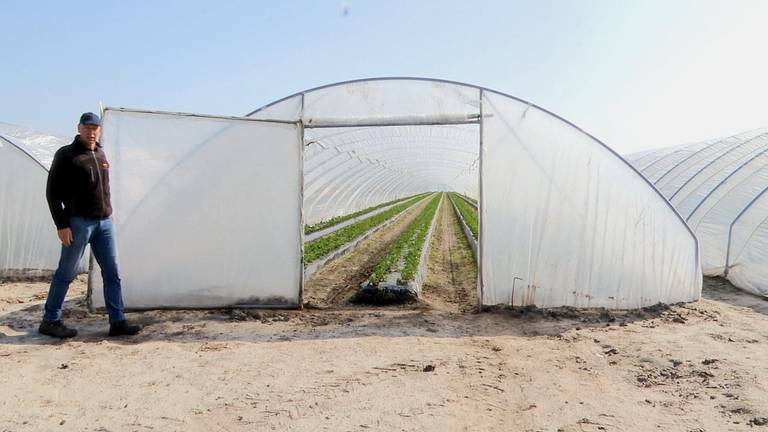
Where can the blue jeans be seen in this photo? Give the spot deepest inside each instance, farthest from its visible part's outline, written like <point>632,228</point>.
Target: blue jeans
<point>101,235</point>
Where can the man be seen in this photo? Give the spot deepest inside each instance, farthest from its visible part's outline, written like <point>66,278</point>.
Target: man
<point>79,200</point>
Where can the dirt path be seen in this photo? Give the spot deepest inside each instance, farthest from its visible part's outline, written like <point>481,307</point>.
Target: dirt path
<point>334,284</point>
<point>691,367</point>
<point>451,283</point>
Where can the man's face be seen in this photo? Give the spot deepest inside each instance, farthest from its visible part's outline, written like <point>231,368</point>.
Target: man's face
<point>89,134</point>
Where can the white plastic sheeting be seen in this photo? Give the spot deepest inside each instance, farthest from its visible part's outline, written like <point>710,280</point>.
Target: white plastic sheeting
<point>29,246</point>
<point>207,210</point>
<point>39,145</point>
<point>564,220</point>
<point>719,187</point>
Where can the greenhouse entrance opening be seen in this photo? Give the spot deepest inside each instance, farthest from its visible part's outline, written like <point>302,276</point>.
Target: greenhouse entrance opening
<point>375,178</point>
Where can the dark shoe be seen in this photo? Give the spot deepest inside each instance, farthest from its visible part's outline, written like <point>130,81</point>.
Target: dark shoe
<point>56,329</point>
<point>122,328</point>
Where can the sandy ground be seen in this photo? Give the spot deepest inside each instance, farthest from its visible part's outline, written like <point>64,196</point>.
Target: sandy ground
<point>433,366</point>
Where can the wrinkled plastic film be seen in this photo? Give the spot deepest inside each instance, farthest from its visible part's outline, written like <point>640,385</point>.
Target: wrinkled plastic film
<point>29,246</point>
<point>718,188</point>
<point>567,222</point>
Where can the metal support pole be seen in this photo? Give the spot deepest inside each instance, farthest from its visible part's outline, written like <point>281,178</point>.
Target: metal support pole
<point>732,149</point>
<point>480,284</point>
<point>722,182</point>
<point>301,205</point>
<point>730,229</point>
<point>686,159</point>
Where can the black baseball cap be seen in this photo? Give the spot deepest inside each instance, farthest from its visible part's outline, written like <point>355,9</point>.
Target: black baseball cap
<point>90,118</point>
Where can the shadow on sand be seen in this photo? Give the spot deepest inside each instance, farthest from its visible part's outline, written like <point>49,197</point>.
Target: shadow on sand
<point>720,289</point>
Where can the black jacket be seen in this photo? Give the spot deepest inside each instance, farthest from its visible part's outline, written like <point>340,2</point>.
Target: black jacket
<point>78,184</point>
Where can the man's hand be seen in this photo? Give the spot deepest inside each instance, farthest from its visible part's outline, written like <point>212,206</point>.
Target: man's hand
<point>65,235</point>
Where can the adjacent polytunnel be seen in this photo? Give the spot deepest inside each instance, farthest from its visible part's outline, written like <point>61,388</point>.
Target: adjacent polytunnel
<point>28,243</point>
<point>719,187</point>
<point>564,221</point>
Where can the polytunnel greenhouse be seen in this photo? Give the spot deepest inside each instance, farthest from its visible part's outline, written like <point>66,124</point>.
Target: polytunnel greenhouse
<point>233,211</point>
<point>719,187</point>
<point>28,243</point>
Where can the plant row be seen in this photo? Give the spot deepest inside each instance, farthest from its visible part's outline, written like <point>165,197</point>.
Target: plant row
<point>309,229</point>
<point>468,213</point>
<point>326,244</point>
<point>470,200</point>
<point>407,248</point>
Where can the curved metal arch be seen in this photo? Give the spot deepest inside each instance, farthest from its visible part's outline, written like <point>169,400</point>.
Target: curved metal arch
<point>363,186</point>
<point>358,168</point>
<point>349,193</point>
<point>686,159</point>
<point>744,180</point>
<point>388,172</point>
<point>388,189</point>
<point>309,181</point>
<point>383,157</point>
<point>355,178</point>
<point>719,157</point>
<point>735,221</point>
<point>739,137</point>
<point>390,163</point>
<point>746,242</point>
<point>384,149</point>
<point>24,151</point>
<point>375,192</point>
<point>722,182</point>
<point>314,190</point>
<point>523,101</point>
<point>366,190</point>
<point>396,187</point>
<point>385,141</point>
<point>356,190</point>
<point>383,180</point>
<point>667,157</point>
<point>657,158</point>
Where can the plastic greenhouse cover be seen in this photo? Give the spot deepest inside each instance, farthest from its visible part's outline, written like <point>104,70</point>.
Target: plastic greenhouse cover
<point>28,242</point>
<point>207,210</point>
<point>29,246</point>
<point>564,221</point>
<point>720,188</point>
<point>585,229</point>
<point>38,145</point>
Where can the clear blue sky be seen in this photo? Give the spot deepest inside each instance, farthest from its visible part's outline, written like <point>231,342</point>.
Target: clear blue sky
<point>636,74</point>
